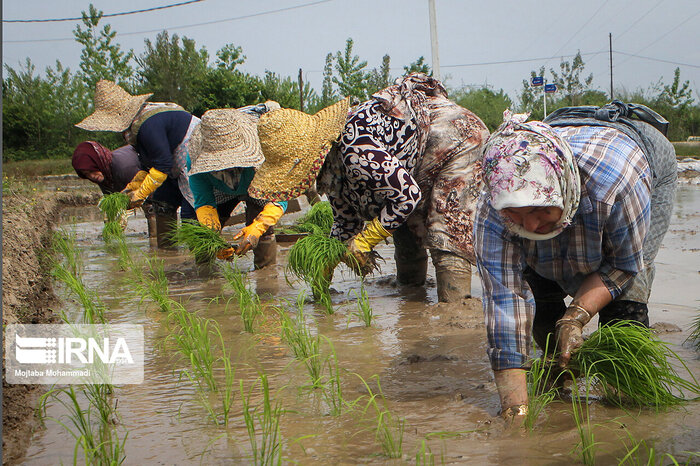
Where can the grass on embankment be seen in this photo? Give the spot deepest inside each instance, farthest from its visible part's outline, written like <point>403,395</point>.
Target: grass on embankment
<point>33,168</point>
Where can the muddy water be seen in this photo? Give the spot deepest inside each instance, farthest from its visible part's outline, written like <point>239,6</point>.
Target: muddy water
<point>429,358</point>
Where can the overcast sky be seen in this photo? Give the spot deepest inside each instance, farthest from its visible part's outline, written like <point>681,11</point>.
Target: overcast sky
<point>492,42</point>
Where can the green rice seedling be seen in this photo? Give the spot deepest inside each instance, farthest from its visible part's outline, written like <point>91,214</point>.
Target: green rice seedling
<point>112,232</point>
<point>263,425</point>
<point>318,220</point>
<point>694,337</point>
<point>113,206</point>
<point>69,272</point>
<point>305,346</point>
<point>99,441</point>
<point>194,343</point>
<point>154,284</point>
<point>424,455</point>
<point>643,453</point>
<point>633,367</point>
<point>541,387</point>
<point>582,417</point>
<point>313,259</point>
<point>125,260</point>
<point>202,242</point>
<point>332,388</point>
<point>388,429</point>
<point>248,300</point>
<point>364,309</point>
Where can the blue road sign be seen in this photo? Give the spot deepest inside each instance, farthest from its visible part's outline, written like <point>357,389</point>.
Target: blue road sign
<point>537,80</point>
<point>549,88</point>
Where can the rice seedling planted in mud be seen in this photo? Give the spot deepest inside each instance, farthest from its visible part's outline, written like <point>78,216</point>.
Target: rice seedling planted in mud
<point>388,428</point>
<point>582,417</point>
<point>541,388</point>
<point>202,242</point>
<point>248,300</point>
<point>154,284</point>
<point>364,309</point>
<point>304,345</point>
<point>694,336</point>
<point>112,232</point>
<point>113,206</point>
<point>263,425</point>
<point>313,259</point>
<point>633,367</point>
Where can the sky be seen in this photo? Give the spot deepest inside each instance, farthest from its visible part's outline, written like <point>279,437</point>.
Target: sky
<point>495,43</point>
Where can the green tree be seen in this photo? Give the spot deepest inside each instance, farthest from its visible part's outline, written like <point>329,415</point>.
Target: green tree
<point>173,71</point>
<point>230,56</point>
<point>531,97</point>
<point>418,66</point>
<point>677,95</point>
<point>351,80</point>
<point>286,91</point>
<point>100,57</point>
<point>485,103</point>
<point>328,95</point>
<point>570,85</point>
<point>221,88</point>
<point>378,79</point>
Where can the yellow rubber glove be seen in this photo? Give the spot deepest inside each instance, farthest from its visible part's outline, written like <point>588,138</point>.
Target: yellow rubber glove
<point>150,183</point>
<point>358,256</point>
<point>136,181</point>
<point>226,254</point>
<point>250,235</point>
<point>209,217</point>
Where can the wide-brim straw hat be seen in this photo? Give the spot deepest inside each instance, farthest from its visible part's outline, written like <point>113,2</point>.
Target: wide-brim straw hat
<point>295,145</point>
<point>225,138</point>
<point>115,108</point>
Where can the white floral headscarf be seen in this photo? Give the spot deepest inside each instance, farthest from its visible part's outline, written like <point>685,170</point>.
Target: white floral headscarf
<point>528,164</point>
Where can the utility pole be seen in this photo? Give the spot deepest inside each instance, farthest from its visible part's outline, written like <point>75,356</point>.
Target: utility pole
<point>611,70</point>
<point>434,40</point>
<point>301,91</point>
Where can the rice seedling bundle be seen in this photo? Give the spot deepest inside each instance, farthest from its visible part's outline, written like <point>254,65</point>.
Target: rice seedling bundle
<point>113,206</point>
<point>112,231</point>
<point>633,367</point>
<point>203,242</point>
<point>318,220</point>
<point>313,259</point>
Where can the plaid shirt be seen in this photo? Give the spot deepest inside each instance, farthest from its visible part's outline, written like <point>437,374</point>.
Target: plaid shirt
<point>606,237</point>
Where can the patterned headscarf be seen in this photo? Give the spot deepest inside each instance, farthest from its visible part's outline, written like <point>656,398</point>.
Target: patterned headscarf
<point>528,164</point>
<point>91,156</point>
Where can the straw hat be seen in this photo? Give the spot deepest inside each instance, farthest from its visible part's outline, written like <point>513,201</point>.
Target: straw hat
<point>225,138</point>
<point>295,145</point>
<point>115,108</point>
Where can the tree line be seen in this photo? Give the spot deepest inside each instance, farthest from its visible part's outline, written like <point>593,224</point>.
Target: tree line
<point>39,110</point>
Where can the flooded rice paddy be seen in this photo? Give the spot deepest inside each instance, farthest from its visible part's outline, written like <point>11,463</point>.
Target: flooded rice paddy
<point>430,361</point>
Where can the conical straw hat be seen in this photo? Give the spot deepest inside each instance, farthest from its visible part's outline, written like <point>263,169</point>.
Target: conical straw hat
<point>225,138</point>
<point>115,108</point>
<point>295,145</point>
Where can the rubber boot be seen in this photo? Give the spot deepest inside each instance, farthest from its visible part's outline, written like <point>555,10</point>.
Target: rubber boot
<point>150,214</point>
<point>265,253</point>
<point>411,259</point>
<point>453,275</point>
<point>165,223</point>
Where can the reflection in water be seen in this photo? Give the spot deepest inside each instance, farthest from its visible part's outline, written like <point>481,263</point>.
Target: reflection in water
<point>430,360</point>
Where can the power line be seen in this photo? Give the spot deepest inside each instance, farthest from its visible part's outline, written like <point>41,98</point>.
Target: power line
<point>516,61</point>
<point>252,15</point>
<point>56,20</point>
<point>657,59</point>
<point>617,37</point>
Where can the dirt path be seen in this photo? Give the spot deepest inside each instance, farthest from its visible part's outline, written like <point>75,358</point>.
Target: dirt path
<point>28,218</point>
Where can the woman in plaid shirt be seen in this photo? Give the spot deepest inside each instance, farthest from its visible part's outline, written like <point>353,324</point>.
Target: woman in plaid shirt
<point>574,211</point>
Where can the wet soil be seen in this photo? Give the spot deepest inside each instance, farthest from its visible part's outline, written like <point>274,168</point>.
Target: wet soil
<point>27,293</point>
<point>429,358</point>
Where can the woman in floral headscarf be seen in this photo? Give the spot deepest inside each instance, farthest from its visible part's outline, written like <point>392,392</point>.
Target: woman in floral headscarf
<point>576,210</point>
<point>408,165</point>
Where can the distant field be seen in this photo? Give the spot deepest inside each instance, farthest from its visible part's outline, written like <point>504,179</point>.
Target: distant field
<point>687,149</point>
<point>31,168</point>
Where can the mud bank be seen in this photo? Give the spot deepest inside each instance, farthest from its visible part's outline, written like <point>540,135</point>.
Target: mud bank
<point>28,219</point>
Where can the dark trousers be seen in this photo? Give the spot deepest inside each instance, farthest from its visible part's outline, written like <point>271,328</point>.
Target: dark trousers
<point>550,307</point>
